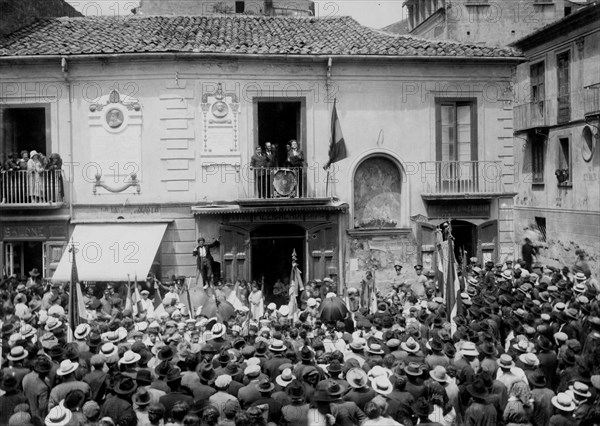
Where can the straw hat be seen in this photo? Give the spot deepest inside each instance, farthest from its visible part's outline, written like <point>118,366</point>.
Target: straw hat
<point>564,402</point>
<point>382,385</point>
<point>58,416</point>
<point>285,378</point>
<point>357,378</point>
<point>18,353</point>
<point>67,367</point>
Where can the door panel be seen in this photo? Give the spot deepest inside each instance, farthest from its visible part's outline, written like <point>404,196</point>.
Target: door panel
<point>322,244</point>
<point>426,241</point>
<point>235,253</point>
<point>487,241</point>
<point>52,252</point>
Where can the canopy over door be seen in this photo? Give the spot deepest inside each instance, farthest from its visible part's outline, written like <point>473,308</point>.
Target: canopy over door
<point>111,251</point>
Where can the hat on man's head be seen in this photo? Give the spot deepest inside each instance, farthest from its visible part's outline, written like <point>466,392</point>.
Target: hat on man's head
<point>58,416</point>
<point>564,402</point>
<point>357,378</point>
<point>264,385</point>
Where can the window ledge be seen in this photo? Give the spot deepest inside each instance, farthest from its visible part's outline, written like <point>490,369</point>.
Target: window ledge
<point>477,4</point>
<point>543,3</point>
<point>565,185</point>
<point>538,185</point>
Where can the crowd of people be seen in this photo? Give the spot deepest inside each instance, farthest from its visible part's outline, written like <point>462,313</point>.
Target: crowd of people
<point>523,349</point>
<point>31,187</point>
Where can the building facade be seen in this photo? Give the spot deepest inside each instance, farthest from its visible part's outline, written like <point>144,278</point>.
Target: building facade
<point>557,126</point>
<point>483,21</point>
<point>157,130</point>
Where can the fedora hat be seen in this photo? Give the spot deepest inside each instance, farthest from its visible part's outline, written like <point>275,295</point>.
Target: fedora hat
<point>410,346</point>
<point>277,346</point>
<point>439,374</point>
<point>295,390</point>
<point>469,349</point>
<point>9,328</point>
<point>375,349</point>
<point>580,389</point>
<point>285,378</point>
<point>125,386</point>
<point>18,353</point>
<point>306,353</point>
<point>207,374</point>
<point>9,383</point>
<point>34,272</point>
<point>173,374</point>
<point>357,378</point>
<point>166,353</point>
<point>67,367</point>
<point>435,344</point>
<point>477,389</point>
<point>130,357</point>
<point>143,377</point>
<point>81,331</point>
<point>488,348</point>
<point>218,330</point>
<point>529,359</point>
<point>142,397</point>
<point>232,369</point>
<point>413,369</point>
<point>564,402</point>
<point>264,385</point>
<point>58,416</point>
<point>505,361</point>
<point>42,364</point>
<point>334,366</point>
<point>382,385</point>
<point>538,379</point>
<point>506,274</point>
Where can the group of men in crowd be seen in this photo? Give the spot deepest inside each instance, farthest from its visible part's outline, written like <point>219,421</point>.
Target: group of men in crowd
<point>523,350</point>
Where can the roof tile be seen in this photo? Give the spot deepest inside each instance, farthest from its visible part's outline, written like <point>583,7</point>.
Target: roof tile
<point>226,33</point>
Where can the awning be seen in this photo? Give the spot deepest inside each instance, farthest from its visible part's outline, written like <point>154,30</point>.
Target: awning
<point>111,252</point>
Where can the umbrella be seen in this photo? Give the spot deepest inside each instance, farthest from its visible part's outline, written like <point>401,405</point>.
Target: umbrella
<point>332,309</point>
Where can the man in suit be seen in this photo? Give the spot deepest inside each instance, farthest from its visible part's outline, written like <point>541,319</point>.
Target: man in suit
<point>204,260</point>
<point>259,164</point>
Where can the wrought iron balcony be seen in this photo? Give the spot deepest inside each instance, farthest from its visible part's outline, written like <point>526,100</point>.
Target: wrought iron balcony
<point>23,189</point>
<point>591,100</point>
<point>531,115</point>
<point>284,185</point>
<point>461,179</point>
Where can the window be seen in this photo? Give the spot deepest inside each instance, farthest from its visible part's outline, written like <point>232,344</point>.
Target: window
<point>537,159</point>
<point>278,122</point>
<point>540,223</point>
<point>564,97</point>
<point>564,171</point>
<point>24,128</point>
<point>377,193</point>
<point>456,131</point>
<point>239,7</point>
<point>538,90</point>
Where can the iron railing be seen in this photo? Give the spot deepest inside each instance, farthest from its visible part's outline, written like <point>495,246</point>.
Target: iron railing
<point>22,188</point>
<point>461,177</point>
<point>285,182</point>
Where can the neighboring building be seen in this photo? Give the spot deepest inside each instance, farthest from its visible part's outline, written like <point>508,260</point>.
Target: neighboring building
<point>15,14</point>
<point>208,7</point>
<point>557,119</point>
<point>495,23</point>
<point>160,116</point>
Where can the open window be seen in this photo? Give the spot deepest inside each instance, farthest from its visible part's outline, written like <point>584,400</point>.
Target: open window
<point>278,121</point>
<point>25,128</point>
<point>537,144</point>
<point>564,171</point>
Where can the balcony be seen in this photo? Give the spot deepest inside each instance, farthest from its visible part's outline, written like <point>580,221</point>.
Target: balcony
<point>285,185</point>
<point>461,179</point>
<point>591,100</point>
<point>22,189</point>
<point>532,115</point>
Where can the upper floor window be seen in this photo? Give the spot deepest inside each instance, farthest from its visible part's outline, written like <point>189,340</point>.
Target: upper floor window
<point>456,130</point>
<point>537,159</point>
<point>538,88</point>
<point>564,97</point>
<point>24,128</point>
<point>564,171</point>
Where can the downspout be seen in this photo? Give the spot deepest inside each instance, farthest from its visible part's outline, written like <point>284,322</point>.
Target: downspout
<point>64,65</point>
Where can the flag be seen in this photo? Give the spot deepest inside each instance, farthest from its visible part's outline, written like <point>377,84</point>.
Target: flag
<point>337,145</point>
<point>296,286</point>
<point>373,301</point>
<point>159,309</point>
<point>77,308</point>
<point>439,256</point>
<point>452,287</point>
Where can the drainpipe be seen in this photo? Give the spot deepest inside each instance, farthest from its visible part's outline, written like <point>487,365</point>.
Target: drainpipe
<point>64,65</point>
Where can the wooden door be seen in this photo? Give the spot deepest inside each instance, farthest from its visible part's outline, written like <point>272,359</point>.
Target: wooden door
<point>487,241</point>
<point>426,241</point>
<point>235,253</point>
<point>53,251</point>
<point>322,247</point>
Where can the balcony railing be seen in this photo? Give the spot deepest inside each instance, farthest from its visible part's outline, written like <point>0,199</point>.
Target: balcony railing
<point>21,188</point>
<point>531,115</point>
<point>282,183</point>
<point>461,178</point>
<point>591,100</point>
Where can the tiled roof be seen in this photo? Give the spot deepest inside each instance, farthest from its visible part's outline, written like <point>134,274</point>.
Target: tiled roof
<point>228,34</point>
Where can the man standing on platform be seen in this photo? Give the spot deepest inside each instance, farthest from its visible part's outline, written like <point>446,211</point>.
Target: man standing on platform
<point>204,260</point>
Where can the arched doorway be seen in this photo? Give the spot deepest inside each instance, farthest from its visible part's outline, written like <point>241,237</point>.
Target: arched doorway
<point>272,247</point>
<point>465,239</point>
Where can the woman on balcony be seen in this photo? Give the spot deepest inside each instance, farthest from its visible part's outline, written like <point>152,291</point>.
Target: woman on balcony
<point>56,185</point>
<point>295,159</point>
<point>35,184</point>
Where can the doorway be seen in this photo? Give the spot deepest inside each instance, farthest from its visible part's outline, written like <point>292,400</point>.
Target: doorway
<point>22,257</point>
<point>279,122</point>
<point>465,237</point>
<point>272,247</point>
